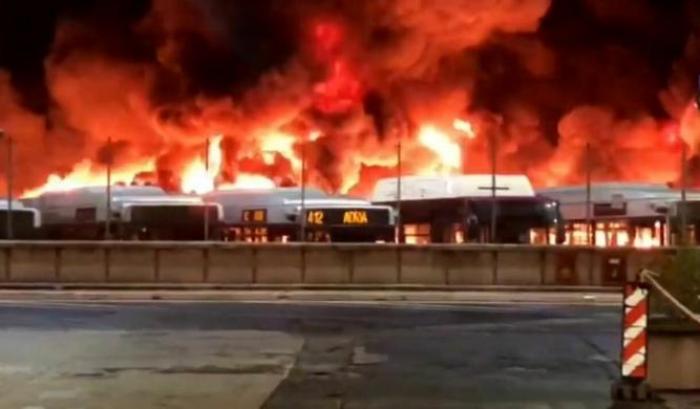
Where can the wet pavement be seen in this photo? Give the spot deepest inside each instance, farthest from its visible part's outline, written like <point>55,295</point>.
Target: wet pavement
<point>300,355</point>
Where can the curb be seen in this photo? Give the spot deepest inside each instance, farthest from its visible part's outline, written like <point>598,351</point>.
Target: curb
<point>305,287</point>
<point>316,296</point>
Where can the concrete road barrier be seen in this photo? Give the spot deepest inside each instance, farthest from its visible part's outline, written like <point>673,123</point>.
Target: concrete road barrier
<point>132,264</point>
<point>32,264</point>
<point>230,264</point>
<point>82,265</point>
<point>470,267</point>
<point>312,264</point>
<point>376,265</point>
<point>177,265</point>
<point>328,265</point>
<point>521,266</point>
<point>419,265</point>
<point>278,264</point>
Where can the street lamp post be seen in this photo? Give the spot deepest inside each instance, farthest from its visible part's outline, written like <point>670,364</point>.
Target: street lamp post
<point>684,187</point>
<point>8,140</point>
<point>302,210</point>
<point>399,227</point>
<point>587,159</point>
<point>206,206</point>
<point>108,207</point>
<point>494,203</point>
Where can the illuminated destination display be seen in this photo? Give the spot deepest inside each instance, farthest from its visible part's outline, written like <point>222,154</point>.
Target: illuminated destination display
<point>254,216</point>
<point>347,216</point>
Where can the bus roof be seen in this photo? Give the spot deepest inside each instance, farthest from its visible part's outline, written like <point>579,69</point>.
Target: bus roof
<point>263,197</point>
<point>455,186</point>
<point>628,200</point>
<point>605,192</point>
<point>16,204</point>
<point>116,191</point>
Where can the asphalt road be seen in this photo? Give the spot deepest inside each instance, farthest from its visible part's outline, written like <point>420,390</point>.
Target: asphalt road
<point>299,355</point>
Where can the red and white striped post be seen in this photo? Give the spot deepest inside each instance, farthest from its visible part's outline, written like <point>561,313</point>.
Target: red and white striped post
<point>634,332</point>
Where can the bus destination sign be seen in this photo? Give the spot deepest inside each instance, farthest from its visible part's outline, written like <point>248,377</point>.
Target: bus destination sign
<point>352,217</point>
<point>254,216</point>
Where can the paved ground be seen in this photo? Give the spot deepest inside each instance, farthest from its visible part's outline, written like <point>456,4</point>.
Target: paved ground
<point>297,355</point>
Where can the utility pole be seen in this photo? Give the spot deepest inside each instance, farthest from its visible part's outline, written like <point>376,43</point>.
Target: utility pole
<point>684,187</point>
<point>108,207</point>
<point>587,160</point>
<point>206,205</point>
<point>8,140</point>
<point>494,203</point>
<point>399,226</point>
<point>302,210</point>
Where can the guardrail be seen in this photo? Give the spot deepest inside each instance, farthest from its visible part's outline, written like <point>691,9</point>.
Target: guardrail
<point>333,264</point>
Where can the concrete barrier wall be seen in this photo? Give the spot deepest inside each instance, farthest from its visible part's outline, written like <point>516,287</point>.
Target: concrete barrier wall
<point>368,264</point>
<point>233,265</point>
<point>83,265</point>
<point>375,265</point>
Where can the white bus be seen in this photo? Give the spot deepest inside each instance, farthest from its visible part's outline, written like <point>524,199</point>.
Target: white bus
<point>457,209</point>
<point>626,214</point>
<point>262,215</point>
<point>138,213</point>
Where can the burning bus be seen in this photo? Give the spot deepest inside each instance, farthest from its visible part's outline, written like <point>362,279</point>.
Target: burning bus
<point>458,209</point>
<point>626,214</point>
<point>275,215</point>
<point>138,213</point>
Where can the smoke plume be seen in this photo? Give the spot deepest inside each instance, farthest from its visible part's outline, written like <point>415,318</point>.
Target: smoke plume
<point>341,84</point>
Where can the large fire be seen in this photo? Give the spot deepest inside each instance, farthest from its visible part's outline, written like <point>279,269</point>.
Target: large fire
<point>204,95</point>
<point>87,173</point>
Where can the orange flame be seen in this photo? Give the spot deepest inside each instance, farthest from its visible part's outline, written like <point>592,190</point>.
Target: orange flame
<point>86,173</point>
<point>276,142</point>
<point>449,152</point>
<point>198,177</point>
<point>249,181</point>
<point>465,127</point>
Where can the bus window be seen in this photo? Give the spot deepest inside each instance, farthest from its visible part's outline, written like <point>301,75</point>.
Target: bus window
<point>417,233</point>
<point>645,236</point>
<point>539,236</point>
<point>472,229</point>
<point>457,235</point>
<point>318,236</point>
<point>576,234</point>
<point>254,235</point>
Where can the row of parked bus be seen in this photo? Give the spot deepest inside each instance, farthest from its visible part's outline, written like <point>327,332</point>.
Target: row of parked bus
<point>451,209</point>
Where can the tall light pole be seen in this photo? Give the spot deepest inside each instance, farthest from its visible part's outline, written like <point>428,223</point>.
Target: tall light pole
<point>206,206</point>
<point>399,227</point>
<point>587,159</point>
<point>8,140</point>
<point>108,207</point>
<point>684,187</point>
<point>302,210</point>
<point>494,203</point>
